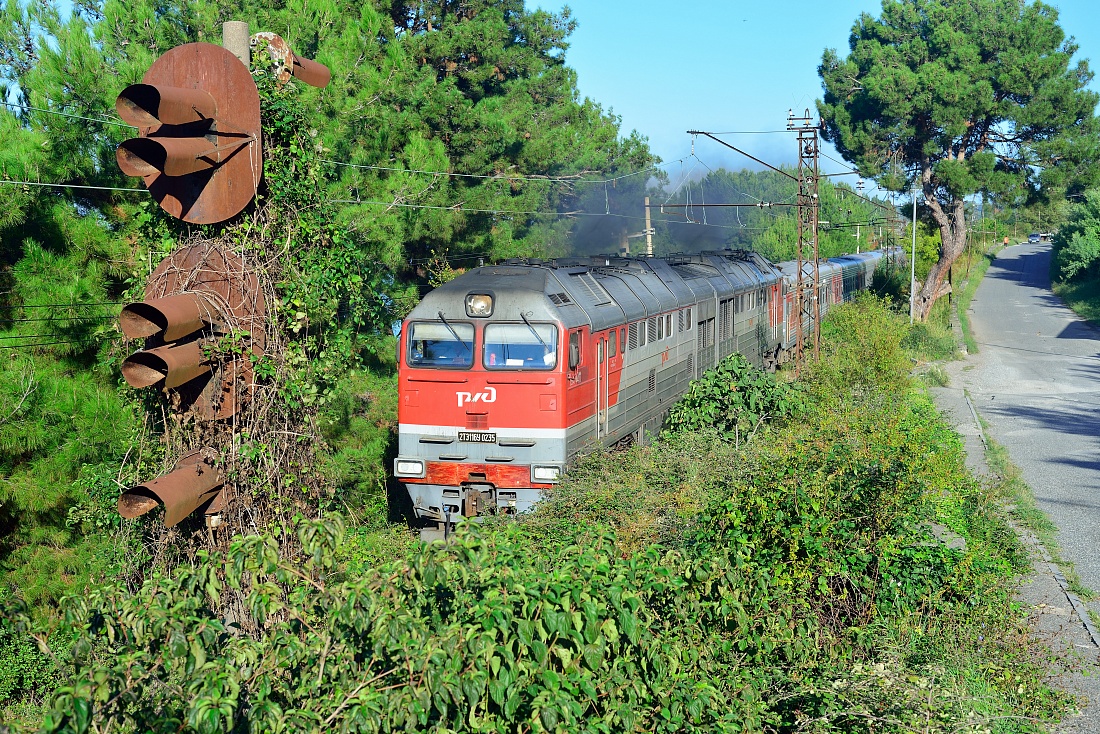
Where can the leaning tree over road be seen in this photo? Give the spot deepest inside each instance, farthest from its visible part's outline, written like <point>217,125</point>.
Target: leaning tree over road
<point>961,97</point>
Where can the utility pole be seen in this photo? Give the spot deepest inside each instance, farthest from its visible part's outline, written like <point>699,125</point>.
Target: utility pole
<point>648,231</point>
<point>913,260</point>
<point>808,170</point>
<point>859,190</point>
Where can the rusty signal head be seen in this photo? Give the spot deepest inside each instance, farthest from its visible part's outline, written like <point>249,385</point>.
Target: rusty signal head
<point>149,105</point>
<point>173,316</point>
<point>172,157</point>
<point>198,117</point>
<point>310,72</point>
<point>196,295</point>
<point>290,64</point>
<point>195,480</point>
<point>172,365</point>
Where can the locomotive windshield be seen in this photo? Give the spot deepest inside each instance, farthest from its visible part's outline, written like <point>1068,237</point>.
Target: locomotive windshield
<point>435,344</point>
<point>520,346</point>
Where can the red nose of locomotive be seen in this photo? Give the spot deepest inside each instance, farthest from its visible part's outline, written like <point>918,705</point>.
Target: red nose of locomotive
<point>481,425</point>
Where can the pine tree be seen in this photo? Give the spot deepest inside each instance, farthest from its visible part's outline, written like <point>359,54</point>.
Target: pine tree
<point>962,98</point>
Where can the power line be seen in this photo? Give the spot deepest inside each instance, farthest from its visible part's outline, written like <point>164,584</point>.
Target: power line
<point>65,114</point>
<point>503,177</point>
<point>67,186</point>
<point>56,318</point>
<point>38,344</point>
<point>66,305</point>
<point>28,336</point>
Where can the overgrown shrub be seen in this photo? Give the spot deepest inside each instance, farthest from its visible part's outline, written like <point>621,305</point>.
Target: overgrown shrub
<point>861,348</point>
<point>1076,246</point>
<point>928,341</point>
<point>735,399</point>
<point>792,584</point>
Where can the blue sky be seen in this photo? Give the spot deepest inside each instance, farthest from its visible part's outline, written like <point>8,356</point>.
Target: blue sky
<point>667,67</point>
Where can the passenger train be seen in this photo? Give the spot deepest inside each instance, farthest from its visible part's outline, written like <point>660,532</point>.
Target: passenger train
<point>510,371</point>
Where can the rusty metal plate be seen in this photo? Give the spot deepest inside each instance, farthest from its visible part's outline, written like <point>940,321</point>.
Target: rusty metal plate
<point>223,282</point>
<point>232,162</point>
<point>290,64</point>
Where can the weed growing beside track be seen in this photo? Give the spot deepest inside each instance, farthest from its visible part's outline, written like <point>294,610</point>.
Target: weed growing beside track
<point>838,571</point>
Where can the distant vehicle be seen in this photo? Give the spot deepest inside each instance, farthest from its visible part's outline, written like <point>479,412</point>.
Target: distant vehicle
<point>1033,237</point>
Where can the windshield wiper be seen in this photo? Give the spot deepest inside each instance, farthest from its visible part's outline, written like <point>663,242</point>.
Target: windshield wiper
<point>454,333</point>
<point>532,328</point>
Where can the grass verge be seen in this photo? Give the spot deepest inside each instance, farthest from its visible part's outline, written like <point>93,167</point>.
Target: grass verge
<point>1083,298</point>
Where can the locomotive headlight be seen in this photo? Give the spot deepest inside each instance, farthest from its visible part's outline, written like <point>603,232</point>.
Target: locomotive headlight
<point>479,305</point>
<point>546,473</point>
<point>408,468</point>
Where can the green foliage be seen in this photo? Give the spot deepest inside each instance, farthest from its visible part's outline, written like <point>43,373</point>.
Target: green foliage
<point>793,584</point>
<point>27,675</point>
<point>497,638</point>
<point>734,399</point>
<point>929,341</point>
<point>1077,243</point>
<point>56,430</point>
<point>360,422</point>
<point>1083,297</point>
<point>851,364</point>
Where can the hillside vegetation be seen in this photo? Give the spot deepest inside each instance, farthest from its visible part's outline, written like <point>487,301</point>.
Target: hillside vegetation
<point>836,570</point>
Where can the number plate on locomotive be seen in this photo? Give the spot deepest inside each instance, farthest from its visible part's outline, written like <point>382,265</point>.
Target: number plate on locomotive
<point>476,437</point>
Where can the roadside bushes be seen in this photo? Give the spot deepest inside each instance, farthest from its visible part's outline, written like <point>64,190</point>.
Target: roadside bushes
<point>861,351</point>
<point>790,582</point>
<point>1077,243</point>
<point>735,399</point>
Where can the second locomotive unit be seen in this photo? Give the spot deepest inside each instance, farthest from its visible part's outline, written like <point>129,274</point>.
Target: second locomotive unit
<point>508,372</point>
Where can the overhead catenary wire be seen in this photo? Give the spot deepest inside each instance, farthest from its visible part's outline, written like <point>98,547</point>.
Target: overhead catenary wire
<point>504,176</point>
<point>751,132</point>
<point>458,208</point>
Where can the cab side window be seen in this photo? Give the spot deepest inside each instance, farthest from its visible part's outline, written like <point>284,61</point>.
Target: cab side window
<point>574,350</point>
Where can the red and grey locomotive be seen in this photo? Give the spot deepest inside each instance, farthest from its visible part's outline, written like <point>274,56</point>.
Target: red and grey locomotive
<point>509,371</point>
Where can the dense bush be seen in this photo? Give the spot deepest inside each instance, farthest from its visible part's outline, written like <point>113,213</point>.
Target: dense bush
<point>790,584</point>
<point>861,348</point>
<point>930,341</point>
<point>1077,243</point>
<point>734,399</point>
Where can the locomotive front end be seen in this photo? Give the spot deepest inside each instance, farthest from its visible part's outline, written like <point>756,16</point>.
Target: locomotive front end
<point>481,411</point>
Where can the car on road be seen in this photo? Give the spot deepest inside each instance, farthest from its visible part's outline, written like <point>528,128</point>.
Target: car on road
<point>1033,237</point>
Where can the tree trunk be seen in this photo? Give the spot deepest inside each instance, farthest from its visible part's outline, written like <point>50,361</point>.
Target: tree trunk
<point>952,222</point>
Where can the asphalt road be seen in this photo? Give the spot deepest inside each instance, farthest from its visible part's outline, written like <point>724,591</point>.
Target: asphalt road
<point>1036,381</point>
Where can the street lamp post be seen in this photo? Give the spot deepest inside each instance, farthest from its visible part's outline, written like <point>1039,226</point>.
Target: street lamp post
<point>913,261</point>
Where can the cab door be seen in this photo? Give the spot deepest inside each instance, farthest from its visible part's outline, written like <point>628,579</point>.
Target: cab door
<point>602,390</point>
